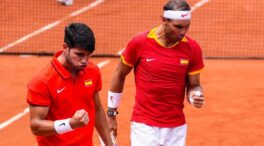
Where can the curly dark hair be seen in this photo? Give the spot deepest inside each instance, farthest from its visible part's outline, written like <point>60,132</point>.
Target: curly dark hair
<point>79,35</point>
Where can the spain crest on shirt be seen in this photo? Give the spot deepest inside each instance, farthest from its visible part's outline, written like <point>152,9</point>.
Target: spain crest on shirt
<point>184,62</point>
<point>88,83</point>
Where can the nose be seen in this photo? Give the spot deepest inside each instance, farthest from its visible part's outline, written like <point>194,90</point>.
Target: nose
<point>84,60</point>
<point>184,31</point>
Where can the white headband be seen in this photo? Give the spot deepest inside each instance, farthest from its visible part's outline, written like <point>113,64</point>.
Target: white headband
<point>178,15</point>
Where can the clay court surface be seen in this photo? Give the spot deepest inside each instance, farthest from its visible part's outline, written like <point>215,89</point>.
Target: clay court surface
<point>233,111</point>
<point>232,115</point>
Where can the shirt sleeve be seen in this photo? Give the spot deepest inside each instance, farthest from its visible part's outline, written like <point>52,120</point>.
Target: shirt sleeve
<point>196,61</point>
<point>130,55</point>
<point>38,93</point>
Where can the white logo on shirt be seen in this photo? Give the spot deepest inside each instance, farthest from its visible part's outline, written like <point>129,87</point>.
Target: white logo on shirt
<point>149,59</point>
<point>60,90</point>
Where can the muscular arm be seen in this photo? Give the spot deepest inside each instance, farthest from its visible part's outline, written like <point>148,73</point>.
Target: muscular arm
<point>38,124</point>
<point>117,86</point>
<point>118,79</point>
<point>193,84</point>
<point>100,121</point>
<point>119,76</point>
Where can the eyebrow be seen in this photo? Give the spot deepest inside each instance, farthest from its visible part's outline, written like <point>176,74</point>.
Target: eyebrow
<point>179,25</point>
<point>182,25</point>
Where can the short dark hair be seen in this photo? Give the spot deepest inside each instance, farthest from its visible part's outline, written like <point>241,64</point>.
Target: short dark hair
<point>180,5</point>
<point>79,35</point>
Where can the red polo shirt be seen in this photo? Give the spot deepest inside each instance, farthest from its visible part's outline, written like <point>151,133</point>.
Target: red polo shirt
<point>54,87</point>
<point>160,76</point>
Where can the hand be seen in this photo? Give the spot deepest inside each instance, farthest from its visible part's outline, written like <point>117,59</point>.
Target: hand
<point>112,125</point>
<point>79,119</point>
<point>196,98</point>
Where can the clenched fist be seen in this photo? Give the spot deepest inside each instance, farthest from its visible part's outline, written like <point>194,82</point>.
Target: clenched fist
<point>196,98</point>
<point>79,119</point>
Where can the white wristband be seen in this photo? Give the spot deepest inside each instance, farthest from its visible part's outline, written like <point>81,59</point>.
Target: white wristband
<point>196,93</point>
<point>113,99</point>
<point>62,126</point>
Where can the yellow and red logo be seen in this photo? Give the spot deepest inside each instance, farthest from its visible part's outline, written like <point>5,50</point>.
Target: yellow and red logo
<point>88,83</point>
<point>184,62</point>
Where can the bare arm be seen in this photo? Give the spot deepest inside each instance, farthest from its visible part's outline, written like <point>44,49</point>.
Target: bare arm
<point>40,126</point>
<point>193,84</point>
<point>100,121</point>
<point>119,76</point>
<point>117,86</point>
<point>118,79</point>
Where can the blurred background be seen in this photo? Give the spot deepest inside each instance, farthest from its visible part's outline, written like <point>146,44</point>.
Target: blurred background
<point>225,29</point>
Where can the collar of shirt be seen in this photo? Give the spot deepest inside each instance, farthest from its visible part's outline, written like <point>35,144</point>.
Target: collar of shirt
<point>62,71</point>
<point>153,35</point>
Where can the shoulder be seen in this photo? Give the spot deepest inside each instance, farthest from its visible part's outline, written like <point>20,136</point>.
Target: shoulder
<point>139,37</point>
<point>192,43</point>
<point>40,79</point>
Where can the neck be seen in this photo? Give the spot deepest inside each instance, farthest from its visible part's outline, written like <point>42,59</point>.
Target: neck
<point>62,59</point>
<point>163,38</point>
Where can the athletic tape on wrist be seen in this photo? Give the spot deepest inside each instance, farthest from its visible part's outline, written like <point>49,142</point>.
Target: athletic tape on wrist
<point>113,99</point>
<point>178,15</point>
<point>62,126</point>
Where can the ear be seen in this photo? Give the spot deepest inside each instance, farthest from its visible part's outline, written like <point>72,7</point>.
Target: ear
<point>65,46</point>
<point>163,19</point>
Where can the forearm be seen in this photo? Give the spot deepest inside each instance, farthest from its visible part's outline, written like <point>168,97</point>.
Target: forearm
<point>118,78</point>
<point>42,127</point>
<point>193,83</point>
<point>117,83</point>
<point>197,87</point>
<point>115,91</point>
<point>102,126</point>
<point>194,92</point>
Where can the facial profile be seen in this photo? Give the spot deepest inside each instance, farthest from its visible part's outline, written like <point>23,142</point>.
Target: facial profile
<point>76,58</point>
<point>176,29</point>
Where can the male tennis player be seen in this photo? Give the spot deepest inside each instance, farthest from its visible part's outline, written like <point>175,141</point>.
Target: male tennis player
<point>166,63</point>
<point>64,99</point>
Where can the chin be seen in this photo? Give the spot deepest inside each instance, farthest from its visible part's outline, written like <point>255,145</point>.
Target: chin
<point>82,68</point>
<point>176,39</point>
<point>179,38</point>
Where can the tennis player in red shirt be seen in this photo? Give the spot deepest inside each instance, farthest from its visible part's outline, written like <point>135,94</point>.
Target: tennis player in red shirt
<point>64,99</point>
<point>167,64</point>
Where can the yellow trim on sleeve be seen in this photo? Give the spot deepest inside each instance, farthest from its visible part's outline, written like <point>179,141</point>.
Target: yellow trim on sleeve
<point>195,72</point>
<point>124,61</point>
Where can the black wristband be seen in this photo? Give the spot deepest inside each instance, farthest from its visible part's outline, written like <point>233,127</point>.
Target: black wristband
<point>111,113</point>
